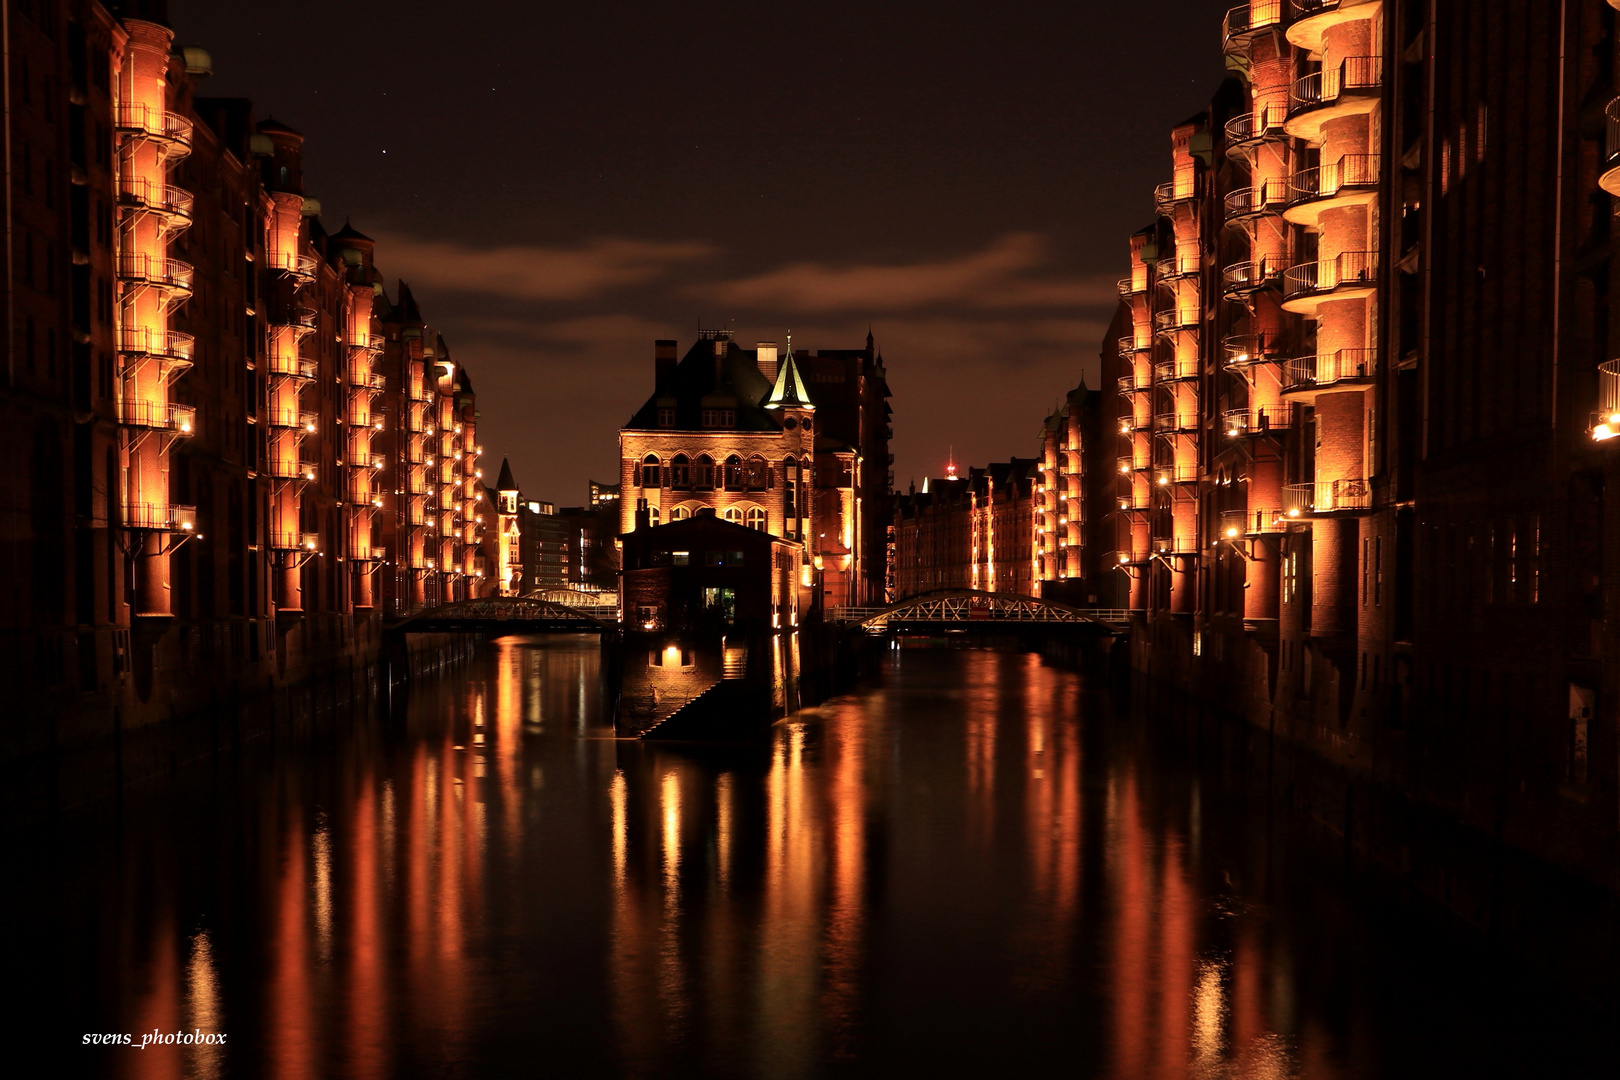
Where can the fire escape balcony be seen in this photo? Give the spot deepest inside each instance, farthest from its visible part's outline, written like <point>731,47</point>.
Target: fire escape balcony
<point>158,416</point>
<point>1326,497</point>
<point>1242,23</point>
<point>362,379</point>
<point>1129,347</point>
<point>1129,423</point>
<point>1173,319</point>
<point>416,513</point>
<point>1606,421</point>
<point>1610,179</point>
<point>1246,132</point>
<point>1172,423</point>
<point>1304,376</point>
<point>1242,280</point>
<point>299,267</point>
<point>160,517</point>
<point>423,391</point>
<point>295,419</point>
<point>1349,89</point>
<point>1172,194</point>
<point>1266,197</point>
<point>1176,267</point>
<point>1135,284</point>
<point>1256,420</point>
<point>281,540</point>
<point>1176,368</point>
<point>138,193</point>
<point>172,348</point>
<point>296,316</point>
<point>141,121</point>
<point>1165,475</point>
<point>291,365</point>
<point>1350,181</point>
<point>1255,521</point>
<point>1129,385</point>
<point>282,468</point>
<point>1346,275</point>
<point>1131,558</point>
<point>155,271</point>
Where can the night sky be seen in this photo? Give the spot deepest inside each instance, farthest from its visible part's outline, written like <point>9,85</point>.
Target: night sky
<point>563,184</point>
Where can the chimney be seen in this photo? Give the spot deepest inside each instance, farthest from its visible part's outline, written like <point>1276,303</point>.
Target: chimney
<point>719,358</point>
<point>643,519</point>
<point>663,361</point>
<point>767,360</point>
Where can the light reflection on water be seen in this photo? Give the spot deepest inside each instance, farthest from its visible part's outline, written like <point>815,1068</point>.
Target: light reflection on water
<point>967,866</point>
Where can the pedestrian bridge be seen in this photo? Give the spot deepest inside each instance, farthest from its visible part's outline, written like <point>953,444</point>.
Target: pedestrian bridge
<point>969,609</point>
<point>508,615</point>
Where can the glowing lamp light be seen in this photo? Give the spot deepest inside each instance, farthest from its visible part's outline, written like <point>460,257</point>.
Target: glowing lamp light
<point>1164,480</point>
<point>1124,468</point>
<point>1230,533</point>
<point>1604,431</point>
<point>185,426</point>
<point>310,544</point>
<point>186,526</point>
<point>378,425</point>
<point>1293,511</point>
<point>1124,558</point>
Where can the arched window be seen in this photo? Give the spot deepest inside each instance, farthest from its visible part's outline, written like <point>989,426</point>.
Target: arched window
<point>756,519</point>
<point>680,513</point>
<point>733,514</point>
<point>757,473</point>
<point>652,516</point>
<point>705,473</point>
<point>680,473</point>
<point>734,473</point>
<point>649,471</point>
<point>790,503</point>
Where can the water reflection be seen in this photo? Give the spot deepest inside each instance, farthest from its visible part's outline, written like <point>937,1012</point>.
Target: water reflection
<point>969,867</point>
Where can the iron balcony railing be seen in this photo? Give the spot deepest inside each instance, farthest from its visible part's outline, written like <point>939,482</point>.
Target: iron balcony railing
<point>156,270</point>
<point>1264,122</point>
<point>303,318</point>
<point>158,416</point>
<point>1249,18</point>
<point>1246,277</point>
<point>1129,346</point>
<point>136,119</point>
<point>299,266</point>
<point>162,517</point>
<point>291,365</point>
<point>1186,186</point>
<point>367,380</point>
<point>1174,474</point>
<point>1256,419</point>
<point>169,343</point>
<point>296,419</point>
<point>1175,318</point>
<point>1326,497</point>
<point>1307,8</point>
<point>1131,558</point>
<point>1346,268</point>
<point>1267,197</point>
<point>1326,181</point>
<point>1611,142</point>
<point>1185,420</point>
<point>1241,350</point>
<point>1606,420</point>
<point>1177,266</point>
<point>1135,283</point>
<point>1177,367</point>
<point>1353,74</point>
<point>1304,372</point>
<point>284,468</point>
<point>141,193</point>
<point>1254,521</point>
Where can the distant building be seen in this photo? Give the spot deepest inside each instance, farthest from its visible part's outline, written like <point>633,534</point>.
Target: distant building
<point>974,531</point>
<point>1074,550</point>
<point>740,432</point>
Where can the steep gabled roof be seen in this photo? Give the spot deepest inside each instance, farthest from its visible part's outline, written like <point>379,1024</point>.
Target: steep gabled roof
<point>506,482</point>
<point>699,382</point>
<point>789,390</point>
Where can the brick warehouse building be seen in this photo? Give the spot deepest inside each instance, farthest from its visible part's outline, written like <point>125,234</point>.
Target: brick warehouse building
<point>793,444</point>
<point>236,451</point>
<point>1363,366</point>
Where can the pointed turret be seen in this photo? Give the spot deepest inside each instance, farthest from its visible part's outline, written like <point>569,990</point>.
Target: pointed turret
<point>789,391</point>
<point>506,482</point>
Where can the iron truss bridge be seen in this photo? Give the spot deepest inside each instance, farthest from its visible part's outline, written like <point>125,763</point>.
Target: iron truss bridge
<point>968,609</point>
<point>505,615</point>
<point>601,605</point>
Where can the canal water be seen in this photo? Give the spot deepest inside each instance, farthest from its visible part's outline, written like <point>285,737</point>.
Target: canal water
<point>971,865</point>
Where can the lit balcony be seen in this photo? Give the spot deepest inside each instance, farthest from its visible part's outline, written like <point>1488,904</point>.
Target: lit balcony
<point>155,271</point>
<point>1246,131</point>
<point>1256,420</point>
<point>297,316</point>
<point>1175,545</point>
<point>301,267</point>
<point>415,513</point>
<point>1312,18</point>
<point>1176,368</point>
<point>295,419</point>
<point>1346,90</point>
<point>1267,197</point>
<point>1606,421</point>
<point>1350,181</point>
<point>169,128</point>
<point>1255,521</point>
<point>1181,420</point>
<point>160,517</point>
<point>138,193</point>
<point>1241,351</point>
<point>291,365</point>
<point>1326,497</point>
<point>169,345</point>
<point>1349,274</point>
<point>158,416</point>
<point>1129,423</point>
<point>1131,558</point>
<point>1165,475</point>
<point>1135,284</point>
<point>423,391</point>
<point>1174,193</point>
<point>1305,375</point>
<point>1174,267</point>
<point>1172,319</point>
<point>1129,347</point>
<point>289,469</point>
<point>360,379</point>
<point>1246,278</point>
<point>1610,179</point>
<point>1244,21</point>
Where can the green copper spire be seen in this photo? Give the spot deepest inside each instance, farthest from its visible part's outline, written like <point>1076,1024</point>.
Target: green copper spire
<point>789,391</point>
